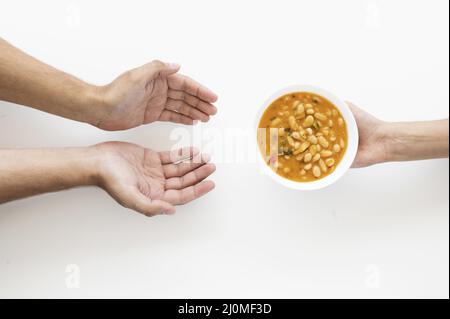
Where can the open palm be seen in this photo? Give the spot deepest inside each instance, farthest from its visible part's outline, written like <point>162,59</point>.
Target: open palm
<point>150,182</point>
<point>154,92</point>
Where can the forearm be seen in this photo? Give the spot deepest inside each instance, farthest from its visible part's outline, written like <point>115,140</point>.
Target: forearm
<point>417,140</point>
<point>25,173</point>
<point>27,81</point>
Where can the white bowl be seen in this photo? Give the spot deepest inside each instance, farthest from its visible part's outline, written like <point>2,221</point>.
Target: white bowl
<point>352,143</point>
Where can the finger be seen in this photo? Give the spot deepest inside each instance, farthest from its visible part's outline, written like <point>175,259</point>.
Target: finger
<point>157,68</point>
<point>357,111</point>
<point>186,109</point>
<point>169,69</point>
<point>188,194</point>
<point>137,201</point>
<point>203,106</point>
<point>178,170</point>
<point>191,178</point>
<point>174,117</point>
<point>178,155</point>
<point>353,107</point>
<point>184,83</point>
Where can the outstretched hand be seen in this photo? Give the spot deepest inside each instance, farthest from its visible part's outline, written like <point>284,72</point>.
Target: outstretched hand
<point>153,183</point>
<point>154,92</point>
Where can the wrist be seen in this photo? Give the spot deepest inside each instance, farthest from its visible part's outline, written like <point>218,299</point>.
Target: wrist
<point>87,165</point>
<point>95,104</point>
<point>394,144</point>
<point>384,141</point>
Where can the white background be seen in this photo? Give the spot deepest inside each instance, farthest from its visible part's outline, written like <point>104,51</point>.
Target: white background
<point>379,232</point>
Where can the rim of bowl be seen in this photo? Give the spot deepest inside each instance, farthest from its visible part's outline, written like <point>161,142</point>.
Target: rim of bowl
<point>352,143</point>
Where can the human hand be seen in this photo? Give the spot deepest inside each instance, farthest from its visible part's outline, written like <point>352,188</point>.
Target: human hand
<point>150,182</point>
<point>372,147</point>
<point>153,92</point>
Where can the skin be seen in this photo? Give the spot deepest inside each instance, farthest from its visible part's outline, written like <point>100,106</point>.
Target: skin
<point>143,180</point>
<point>382,142</point>
<point>152,92</point>
<point>148,182</point>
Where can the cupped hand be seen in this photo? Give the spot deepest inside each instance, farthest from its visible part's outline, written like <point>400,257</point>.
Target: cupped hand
<point>153,183</point>
<point>154,92</point>
<point>372,142</point>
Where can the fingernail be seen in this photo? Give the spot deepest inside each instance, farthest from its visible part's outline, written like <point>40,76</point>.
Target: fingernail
<point>173,65</point>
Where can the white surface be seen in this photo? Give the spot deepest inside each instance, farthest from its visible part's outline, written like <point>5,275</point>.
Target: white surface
<point>350,152</point>
<point>378,232</point>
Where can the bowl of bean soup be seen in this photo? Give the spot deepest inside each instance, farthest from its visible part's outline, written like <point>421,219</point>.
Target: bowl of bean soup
<point>307,137</point>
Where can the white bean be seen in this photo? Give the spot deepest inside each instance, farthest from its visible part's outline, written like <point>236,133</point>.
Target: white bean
<point>320,116</point>
<point>301,108</point>
<point>300,157</point>
<point>316,171</point>
<point>336,148</point>
<point>308,157</point>
<point>323,166</point>
<point>291,141</point>
<point>276,121</point>
<point>313,140</point>
<point>300,115</point>
<point>309,121</point>
<point>304,146</point>
<point>293,123</point>
<point>326,153</point>
<point>323,141</point>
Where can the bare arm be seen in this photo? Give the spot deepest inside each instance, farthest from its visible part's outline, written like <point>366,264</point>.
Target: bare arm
<point>403,141</point>
<point>137,178</point>
<point>152,92</point>
<point>25,173</point>
<point>27,81</point>
<point>417,140</point>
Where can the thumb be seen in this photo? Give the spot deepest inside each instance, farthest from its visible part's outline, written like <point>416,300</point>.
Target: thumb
<point>170,68</point>
<point>157,68</point>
